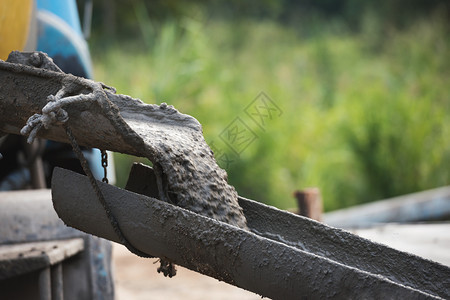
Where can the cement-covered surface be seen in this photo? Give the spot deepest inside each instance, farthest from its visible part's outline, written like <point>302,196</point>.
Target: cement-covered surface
<point>136,278</point>
<point>239,257</point>
<point>187,173</point>
<point>342,246</point>
<point>308,235</point>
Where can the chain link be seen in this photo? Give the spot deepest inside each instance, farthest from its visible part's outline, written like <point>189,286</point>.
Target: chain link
<point>105,166</point>
<point>98,192</point>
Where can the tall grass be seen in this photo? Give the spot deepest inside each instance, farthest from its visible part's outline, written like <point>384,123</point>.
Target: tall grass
<point>363,116</point>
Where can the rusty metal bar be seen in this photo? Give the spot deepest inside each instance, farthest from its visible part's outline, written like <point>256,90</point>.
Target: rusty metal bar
<point>275,259</point>
<point>309,203</point>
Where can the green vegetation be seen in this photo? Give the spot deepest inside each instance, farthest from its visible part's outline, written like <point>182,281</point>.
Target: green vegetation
<point>365,115</point>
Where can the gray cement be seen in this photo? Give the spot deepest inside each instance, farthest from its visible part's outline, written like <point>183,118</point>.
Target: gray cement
<point>187,173</point>
<point>322,240</point>
<point>283,256</point>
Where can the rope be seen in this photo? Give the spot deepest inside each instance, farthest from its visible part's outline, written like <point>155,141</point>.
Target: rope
<point>98,192</point>
<point>52,113</point>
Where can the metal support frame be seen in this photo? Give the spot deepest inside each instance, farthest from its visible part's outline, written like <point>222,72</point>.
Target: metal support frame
<point>45,258</point>
<point>33,238</point>
<point>57,282</point>
<point>45,290</point>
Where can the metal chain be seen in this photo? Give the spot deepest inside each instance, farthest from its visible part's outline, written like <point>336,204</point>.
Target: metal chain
<point>105,166</point>
<point>98,192</point>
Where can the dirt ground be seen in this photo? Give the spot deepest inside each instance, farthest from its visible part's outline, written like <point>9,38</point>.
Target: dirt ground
<point>136,278</point>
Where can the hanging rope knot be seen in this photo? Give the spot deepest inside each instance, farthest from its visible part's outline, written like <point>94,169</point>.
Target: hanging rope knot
<point>166,267</point>
<point>52,114</point>
<point>56,115</point>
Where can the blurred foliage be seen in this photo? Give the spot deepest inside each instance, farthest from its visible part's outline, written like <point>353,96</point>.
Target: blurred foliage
<point>365,111</point>
<point>124,17</point>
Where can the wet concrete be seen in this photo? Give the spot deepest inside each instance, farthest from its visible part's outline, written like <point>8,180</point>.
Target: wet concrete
<point>325,241</point>
<point>266,260</point>
<point>187,173</point>
<point>347,248</point>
